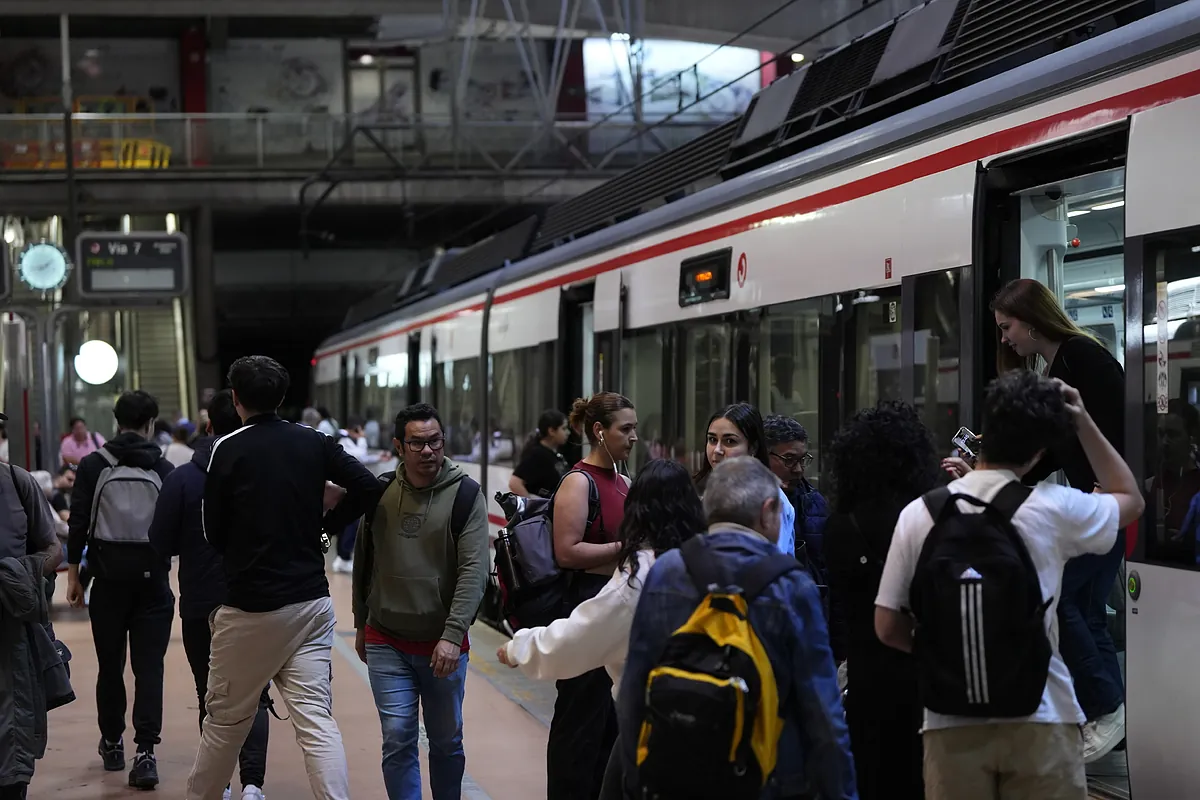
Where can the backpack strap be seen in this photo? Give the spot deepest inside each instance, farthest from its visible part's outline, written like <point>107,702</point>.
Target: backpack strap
<point>386,479</point>
<point>594,510</point>
<point>1010,498</point>
<point>700,564</point>
<point>762,573</point>
<point>936,502</point>
<point>464,502</point>
<point>107,455</point>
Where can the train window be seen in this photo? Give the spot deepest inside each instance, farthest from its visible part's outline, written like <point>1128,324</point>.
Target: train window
<point>643,365</point>
<point>459,407</point>
<point>936,353</point>
<point>1171,350</point>
<point>706,389</point>
<point>1073,238</point>
<point>876,326</point>
<point>788,374</point>
<point>509,376</point>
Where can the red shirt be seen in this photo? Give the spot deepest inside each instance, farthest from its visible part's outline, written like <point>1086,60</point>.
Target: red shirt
<point>411,648</point>
<point>612,489</point>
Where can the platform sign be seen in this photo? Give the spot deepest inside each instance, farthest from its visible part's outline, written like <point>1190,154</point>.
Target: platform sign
<point>132,266</point>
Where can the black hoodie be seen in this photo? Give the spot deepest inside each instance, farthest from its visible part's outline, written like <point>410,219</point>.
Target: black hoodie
<point>178,530</point>
<point>119,561</point>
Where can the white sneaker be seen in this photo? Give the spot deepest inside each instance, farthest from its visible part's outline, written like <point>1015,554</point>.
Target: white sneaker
<point>1102,735</point>
<point>343,566</point>
<point>226,795</point>
<point>253,793</point>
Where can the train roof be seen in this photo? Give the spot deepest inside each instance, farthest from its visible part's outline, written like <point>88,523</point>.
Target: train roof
<point>1171,30</point>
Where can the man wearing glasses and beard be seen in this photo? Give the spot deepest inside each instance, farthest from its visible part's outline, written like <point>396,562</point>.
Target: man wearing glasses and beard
<point>420,566</point>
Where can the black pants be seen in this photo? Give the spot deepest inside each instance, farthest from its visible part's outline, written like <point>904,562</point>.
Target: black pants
<point>252,761</point>
<point>345,542</point>
<point>16,791</point>
<point>134,615</point>
<point>584,726</point>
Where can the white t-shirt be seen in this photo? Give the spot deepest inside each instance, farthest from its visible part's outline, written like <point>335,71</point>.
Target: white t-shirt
<point>1057,524</point>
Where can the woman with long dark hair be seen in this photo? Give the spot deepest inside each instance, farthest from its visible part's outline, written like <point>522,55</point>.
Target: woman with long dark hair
<point>734,431</point>
<point>1033,324</point>
<point>878,463</point>
<point>661,512</point>
<point>542,466</point>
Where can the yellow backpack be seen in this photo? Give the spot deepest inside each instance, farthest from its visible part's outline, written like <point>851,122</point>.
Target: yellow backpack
<point>711,722</point>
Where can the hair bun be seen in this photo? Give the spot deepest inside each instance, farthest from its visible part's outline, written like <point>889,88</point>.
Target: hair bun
<point>578,415</point>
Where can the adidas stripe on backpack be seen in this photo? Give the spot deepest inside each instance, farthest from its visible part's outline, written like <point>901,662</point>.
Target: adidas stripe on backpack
<point>980,636</point>
<point>711,724</point>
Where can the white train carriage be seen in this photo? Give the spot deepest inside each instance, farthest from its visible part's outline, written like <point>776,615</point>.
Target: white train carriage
<point>859,270</point>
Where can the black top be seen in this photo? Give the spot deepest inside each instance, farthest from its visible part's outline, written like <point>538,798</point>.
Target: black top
<point>263,509</point>
<point>855,551</point>
<point>541,469</point>
<point>177,530</point>
<point>1085,364</point>
<point>59,501</point>
<point>122,560</point>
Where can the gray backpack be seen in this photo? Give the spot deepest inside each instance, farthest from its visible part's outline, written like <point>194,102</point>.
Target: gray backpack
<point>123,504</point>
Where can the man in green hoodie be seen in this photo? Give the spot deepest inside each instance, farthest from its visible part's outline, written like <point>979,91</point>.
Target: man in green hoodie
<point>420,565</point>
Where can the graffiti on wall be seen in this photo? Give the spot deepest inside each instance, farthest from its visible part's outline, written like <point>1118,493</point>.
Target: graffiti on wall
<point>144,70</point>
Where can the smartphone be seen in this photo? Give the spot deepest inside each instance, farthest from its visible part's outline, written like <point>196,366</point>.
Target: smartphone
<point>968,443</point>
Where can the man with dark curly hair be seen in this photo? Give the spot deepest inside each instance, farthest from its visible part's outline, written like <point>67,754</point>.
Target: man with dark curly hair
<point>1039,755</point>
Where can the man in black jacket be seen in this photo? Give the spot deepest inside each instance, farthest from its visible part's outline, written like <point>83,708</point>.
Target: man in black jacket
<point>131,592</point>
<point>178,530</point>
<point>263,508</point>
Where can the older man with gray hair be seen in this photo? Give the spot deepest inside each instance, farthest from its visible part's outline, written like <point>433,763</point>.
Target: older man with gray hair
<point>741,502</point>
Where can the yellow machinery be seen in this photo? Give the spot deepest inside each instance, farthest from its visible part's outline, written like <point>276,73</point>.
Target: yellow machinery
<point>123,140</point>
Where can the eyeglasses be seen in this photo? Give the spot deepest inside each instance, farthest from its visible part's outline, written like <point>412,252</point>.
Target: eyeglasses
<point>418,445</point>
<point>791,462</point>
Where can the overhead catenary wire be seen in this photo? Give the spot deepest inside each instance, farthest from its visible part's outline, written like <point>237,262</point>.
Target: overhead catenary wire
<point>641,131</point>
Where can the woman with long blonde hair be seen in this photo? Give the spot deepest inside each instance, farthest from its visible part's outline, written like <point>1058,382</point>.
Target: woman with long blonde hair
<point>1033,323</point>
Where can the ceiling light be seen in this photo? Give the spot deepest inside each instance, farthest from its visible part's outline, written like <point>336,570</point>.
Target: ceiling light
<point>797,58</point>
<point>1195,249</point>
<point>619,37</point>
<point>1079,213</point>
<point>366,59</point>
<point>1107,206</point>
<point>1120,287</point>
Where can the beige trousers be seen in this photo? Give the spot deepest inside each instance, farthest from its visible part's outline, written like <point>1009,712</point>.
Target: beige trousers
<point>1011,761</point>
<point>291,647</point>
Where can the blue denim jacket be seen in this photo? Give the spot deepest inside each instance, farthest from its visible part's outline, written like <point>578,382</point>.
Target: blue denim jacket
<point>814,749</point>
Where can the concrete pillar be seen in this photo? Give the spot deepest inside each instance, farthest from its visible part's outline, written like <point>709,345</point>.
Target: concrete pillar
<point>208,364</point>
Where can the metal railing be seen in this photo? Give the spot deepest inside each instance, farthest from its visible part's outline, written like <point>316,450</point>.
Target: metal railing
<point>304,141</point>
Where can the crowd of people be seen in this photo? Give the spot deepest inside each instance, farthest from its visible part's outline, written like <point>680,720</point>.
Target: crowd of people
<point>727,633</point>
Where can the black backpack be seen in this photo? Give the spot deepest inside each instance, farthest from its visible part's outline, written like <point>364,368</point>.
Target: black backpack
<point>980,638</point>
<point>534,590</point>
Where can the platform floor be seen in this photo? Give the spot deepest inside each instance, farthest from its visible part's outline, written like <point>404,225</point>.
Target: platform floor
<point>505,717</point>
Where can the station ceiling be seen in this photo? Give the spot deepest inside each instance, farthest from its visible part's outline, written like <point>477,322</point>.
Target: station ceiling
<point>688,20</point>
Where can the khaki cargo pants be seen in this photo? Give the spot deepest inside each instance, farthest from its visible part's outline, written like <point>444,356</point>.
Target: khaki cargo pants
<point>1011,761</point>
<point>293,648</point>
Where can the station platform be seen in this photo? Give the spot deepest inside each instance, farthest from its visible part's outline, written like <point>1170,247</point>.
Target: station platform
<point>506,719</point>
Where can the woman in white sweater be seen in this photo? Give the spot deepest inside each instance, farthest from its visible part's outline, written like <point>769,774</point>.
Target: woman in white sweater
<point>662,510</point>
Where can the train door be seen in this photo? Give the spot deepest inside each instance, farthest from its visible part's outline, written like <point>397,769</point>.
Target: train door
<point>1056,214</point>
<point>575,358</point>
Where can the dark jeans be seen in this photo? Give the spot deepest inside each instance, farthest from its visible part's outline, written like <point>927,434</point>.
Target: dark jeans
<point>1084,639</point>
<point>16,791</point>
<point>134,615</point>
<point>252,761</point>
<point>584,727</point>
<point>345,542</point>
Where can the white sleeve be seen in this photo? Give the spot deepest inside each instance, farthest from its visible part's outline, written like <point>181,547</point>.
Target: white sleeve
<point>1087,522</point>
<point>597,630</point>
<point>911,528</point>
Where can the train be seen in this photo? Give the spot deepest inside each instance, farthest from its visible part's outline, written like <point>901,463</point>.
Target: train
<point>818,270</point>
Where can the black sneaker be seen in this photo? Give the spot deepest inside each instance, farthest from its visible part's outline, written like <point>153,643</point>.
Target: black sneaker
<point>144,774</point>
<point>113,755</point>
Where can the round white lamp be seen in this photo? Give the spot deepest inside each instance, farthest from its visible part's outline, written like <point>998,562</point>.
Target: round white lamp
<point>96,363</point>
